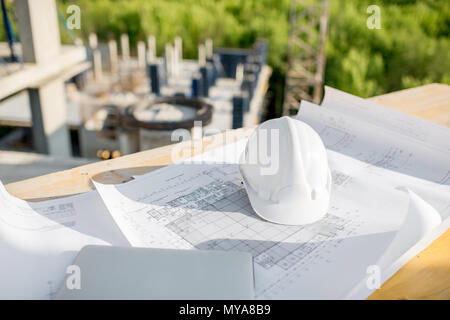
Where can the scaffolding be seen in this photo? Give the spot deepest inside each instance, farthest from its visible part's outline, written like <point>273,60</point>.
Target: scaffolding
<point>308,22</point>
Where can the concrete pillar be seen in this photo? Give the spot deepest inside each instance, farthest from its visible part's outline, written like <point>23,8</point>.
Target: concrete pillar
<point>93,42</point>
<point>125,46</point>
<point>48,114</point>
<point>151,47</point>
<point>113,56</point>
<point>174,64</point>
<point>240,72</point>
<point>178,55</point>
<point>39,36</point>
<point>169,59</point>
<point>38,30</point>
<point>141,54</point>
<point>209,49</point>
<point>179,48</point>
<point>97,65</point>
<point>201,55</point>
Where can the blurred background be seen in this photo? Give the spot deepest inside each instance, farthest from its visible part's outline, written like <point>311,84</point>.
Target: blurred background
<point>412,47</point>
<point>268,48</point>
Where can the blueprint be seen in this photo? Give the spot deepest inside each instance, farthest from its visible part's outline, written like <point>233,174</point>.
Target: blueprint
<point>394,121</point>
<point>420,227</point>
<point>204,206</point>
<point>39,240</point>
<point>390,198</point>
<point>377,173</point>
<point>380,136</point>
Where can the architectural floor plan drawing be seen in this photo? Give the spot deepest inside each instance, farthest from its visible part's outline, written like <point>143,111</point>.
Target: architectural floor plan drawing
<point>207,208</point>
<point>221,210</point>
<point>204,206</point>
<point>40,239</point>
<point>201,204</point>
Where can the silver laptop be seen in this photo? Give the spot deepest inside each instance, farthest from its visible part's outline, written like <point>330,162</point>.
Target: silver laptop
<point>142,273</point>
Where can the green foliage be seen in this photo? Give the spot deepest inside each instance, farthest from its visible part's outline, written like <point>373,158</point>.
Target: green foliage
<point>411,48</point>
<point>229,22</point>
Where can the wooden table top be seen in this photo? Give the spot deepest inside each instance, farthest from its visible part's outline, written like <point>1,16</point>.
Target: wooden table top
<point>426,276</point>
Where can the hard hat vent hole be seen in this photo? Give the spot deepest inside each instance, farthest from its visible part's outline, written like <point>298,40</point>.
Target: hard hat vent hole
<point>313,194</point>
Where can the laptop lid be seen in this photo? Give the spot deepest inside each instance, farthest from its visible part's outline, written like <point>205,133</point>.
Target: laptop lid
<point>107,272</point>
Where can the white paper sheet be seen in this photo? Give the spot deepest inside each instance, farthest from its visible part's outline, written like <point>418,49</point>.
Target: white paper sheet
<point>399,143</point>
<point>204,206</point>
<point>394,149</point>
<point>38,240</point>
<point>420,219</point>
<point>419,223</point>
<point>389,119</point>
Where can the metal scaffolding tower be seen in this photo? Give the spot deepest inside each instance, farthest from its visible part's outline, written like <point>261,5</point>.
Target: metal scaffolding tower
<point>308,24</point>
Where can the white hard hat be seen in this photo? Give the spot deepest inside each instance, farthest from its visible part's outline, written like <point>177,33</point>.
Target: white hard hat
<point>292,184</point>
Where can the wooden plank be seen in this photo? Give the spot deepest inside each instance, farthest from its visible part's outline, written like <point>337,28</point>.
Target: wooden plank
<point>426,276</point>
<point>430,102</point>
<point>78,180</point>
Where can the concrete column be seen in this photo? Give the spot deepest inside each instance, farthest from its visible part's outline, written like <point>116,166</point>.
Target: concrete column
<point>48,114</point>
<point>179,48</point>
<point>141,54</point>
<point>178,55</point>
<point>240,72</point>
<point>113,57</point>
<point>39,36</point>
<point>151,47</point>
<point>201,55</point>
<point>38,30</point>
<point>95,58</point>
<point>169,59</point>
<point>125,46</point>
<point>174,63</point>
<point>97,65</point>
<point>209,49</point>
<point>93,42</point>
